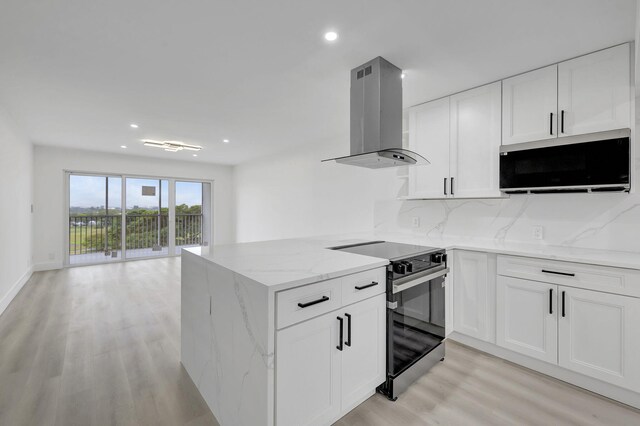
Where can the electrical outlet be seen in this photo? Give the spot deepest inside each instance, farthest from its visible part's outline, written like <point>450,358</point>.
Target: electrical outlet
<point>415,222</point>
<point>538,232</point>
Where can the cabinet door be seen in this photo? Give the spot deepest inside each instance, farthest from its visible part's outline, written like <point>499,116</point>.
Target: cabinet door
<point>599,336</point>
<point>470,294</point>
<point>429,136</point>
<point>529,106</point>
<point>475,142</point>
<point>363,361</point>
<point>527,318</point>
<point>594,91</point>
<point>308,371</point>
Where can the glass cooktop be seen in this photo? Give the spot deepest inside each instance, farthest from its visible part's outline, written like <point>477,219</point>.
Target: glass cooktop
<point>386,250</point>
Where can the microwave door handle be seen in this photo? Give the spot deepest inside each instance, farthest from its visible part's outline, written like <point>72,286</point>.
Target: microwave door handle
<point>402,287</point>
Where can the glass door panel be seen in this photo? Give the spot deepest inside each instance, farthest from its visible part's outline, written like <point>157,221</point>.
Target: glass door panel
<point>189,215</point>
<point>147,217</point>
<point>95,219</point>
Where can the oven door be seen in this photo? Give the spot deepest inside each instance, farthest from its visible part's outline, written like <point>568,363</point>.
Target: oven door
<point>415,319</point>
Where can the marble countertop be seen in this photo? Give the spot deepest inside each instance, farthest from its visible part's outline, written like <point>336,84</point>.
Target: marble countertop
<point>289,263</point>
<point>281,264</point>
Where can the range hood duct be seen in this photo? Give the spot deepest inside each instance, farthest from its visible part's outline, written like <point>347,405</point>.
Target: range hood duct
<point>376,118</point>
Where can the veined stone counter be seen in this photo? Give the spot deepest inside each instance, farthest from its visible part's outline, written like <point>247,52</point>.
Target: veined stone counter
<point>228,316</point>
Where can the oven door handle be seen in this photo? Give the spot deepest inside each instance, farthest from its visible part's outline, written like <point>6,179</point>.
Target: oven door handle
<point>402,287</point>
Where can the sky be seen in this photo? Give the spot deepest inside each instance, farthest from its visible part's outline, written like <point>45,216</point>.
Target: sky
<point>90,191</point>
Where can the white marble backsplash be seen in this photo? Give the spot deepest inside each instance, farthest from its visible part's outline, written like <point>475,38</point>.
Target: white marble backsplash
<point>594,221</point>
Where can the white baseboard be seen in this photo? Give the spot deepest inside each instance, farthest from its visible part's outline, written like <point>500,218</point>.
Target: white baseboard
<point>47,266</point>
<point>13,292</point>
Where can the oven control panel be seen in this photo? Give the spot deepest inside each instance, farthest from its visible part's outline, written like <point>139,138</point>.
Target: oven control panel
<point>415,264</point>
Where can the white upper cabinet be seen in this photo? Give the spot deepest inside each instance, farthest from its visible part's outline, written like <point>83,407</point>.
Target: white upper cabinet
<point>429,136</point>
<point>595,92</point>
<point>529,106</point>
<point>460,136</point>
<point>591,93</point>
<point>475,142</point>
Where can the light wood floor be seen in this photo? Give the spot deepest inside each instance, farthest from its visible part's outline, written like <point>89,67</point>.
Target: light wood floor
<point>99,345</point>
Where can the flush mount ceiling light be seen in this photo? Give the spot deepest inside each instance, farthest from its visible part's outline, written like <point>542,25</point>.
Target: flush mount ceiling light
<point>171,146</point>
<point>403,75</point>
<point>331,36</point>
<point>133,126</point>
<point>123,146</point>
<point>225,140</point>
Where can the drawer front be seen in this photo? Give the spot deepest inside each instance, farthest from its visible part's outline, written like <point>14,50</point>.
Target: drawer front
<point>599,278</point>
<point>363,285</point>
<point>302,303</point>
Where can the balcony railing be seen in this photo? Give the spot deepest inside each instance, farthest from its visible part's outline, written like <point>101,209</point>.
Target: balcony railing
<point>102,233</point>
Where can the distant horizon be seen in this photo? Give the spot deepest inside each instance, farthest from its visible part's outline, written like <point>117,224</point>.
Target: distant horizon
<point>90,192</point>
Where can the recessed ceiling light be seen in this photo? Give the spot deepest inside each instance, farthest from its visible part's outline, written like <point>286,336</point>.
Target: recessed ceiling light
<point>331,36</point>
<point>123,146</point>
<point>225,140</point>
<point>133,126</point>
<point>195,155</point>
<point>403,75</point>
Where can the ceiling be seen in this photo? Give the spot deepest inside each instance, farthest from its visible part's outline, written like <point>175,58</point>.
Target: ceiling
<point>76,73</point>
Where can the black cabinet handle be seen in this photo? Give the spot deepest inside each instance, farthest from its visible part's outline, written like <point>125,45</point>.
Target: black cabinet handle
<point>562,121</point>
<point>452,186</point>
<point>339,347</point>
<point>314,302</point>
<point>362,287</point>
<point>551,124</point>
<point>348,342</point>
<point>563,304</point>
<point>566,274</point>
<point>551,301</point>
<point>445,186</point>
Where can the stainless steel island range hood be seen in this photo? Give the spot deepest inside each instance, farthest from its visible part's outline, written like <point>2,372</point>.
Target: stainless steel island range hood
<point>376,118</point>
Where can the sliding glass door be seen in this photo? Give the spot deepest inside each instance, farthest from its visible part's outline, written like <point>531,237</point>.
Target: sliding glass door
<point>189,223</point>
<point>147,217</point>
<point>95,222</point>
<point>160,217</point>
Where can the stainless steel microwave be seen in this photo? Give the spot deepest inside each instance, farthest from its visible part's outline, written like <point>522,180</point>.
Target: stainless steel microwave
<point>596,162</point>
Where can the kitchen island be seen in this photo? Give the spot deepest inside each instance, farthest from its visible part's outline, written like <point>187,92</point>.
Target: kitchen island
<point>228,320</point>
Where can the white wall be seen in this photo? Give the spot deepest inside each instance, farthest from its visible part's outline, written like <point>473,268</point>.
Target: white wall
<point>49,192</point>
<point>292,194</point>
<point>15,209</point>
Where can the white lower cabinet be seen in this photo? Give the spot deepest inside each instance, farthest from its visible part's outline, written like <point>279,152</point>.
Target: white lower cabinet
<point>526,318</point>
<point>308,372</point>
<point>364,360</point>
<point>319,376</point>
<point>599,336</point>
<point>473,295</point>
